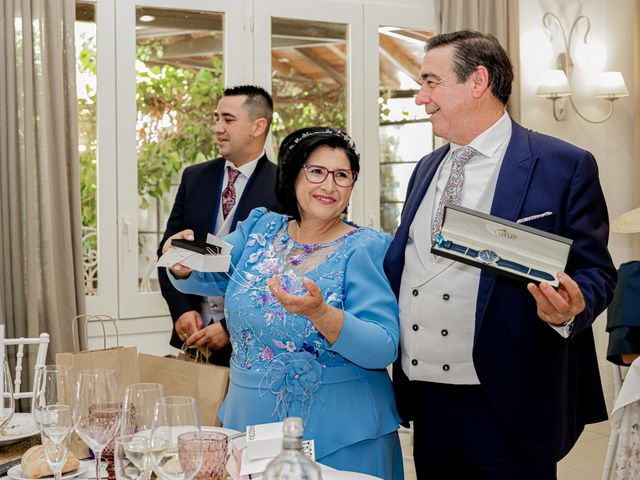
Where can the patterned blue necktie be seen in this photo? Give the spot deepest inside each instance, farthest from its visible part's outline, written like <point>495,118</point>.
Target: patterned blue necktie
<point>452,193</point>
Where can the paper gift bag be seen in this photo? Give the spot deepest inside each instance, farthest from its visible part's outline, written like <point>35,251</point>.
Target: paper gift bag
<point>206,383</point>
<point>123,360</point>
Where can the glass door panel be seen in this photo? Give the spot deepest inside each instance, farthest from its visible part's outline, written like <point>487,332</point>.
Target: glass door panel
<point>405,132</point>
<point>179,78</point>
<point>173,63</point>
<point>397,131</point>
<point>309,75</point>
<point>87,94</point>
<point>310,59</point>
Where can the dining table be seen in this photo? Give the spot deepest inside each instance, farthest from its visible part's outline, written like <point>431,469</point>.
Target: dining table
<point>24,434</point>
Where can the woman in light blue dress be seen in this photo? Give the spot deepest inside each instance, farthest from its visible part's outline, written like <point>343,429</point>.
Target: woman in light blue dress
<point>312,319</point>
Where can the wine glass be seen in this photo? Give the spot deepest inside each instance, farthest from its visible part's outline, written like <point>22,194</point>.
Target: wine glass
<point>56,424</point>
<point>137,418</point>
<point>139,407</point>
<point>52,385</point>
<point>132,457</point>
<point>96,413</point>
<point>173,417</point>
<point>7,403</point>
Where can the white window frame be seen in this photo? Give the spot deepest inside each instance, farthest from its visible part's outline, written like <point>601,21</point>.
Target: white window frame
<point>107,299</point>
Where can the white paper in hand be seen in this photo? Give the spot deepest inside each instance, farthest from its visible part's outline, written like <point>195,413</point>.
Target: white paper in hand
<point>172,256</point>
<point>202,263</point>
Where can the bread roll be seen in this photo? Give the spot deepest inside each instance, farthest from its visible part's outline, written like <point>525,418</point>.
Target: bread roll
<point>34,463</point>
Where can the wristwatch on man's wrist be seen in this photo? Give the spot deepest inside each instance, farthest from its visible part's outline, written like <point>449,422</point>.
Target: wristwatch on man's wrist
<point>489,257</point>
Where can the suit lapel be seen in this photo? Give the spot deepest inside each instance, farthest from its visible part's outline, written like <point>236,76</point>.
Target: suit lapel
<point>511,189</point>
<point>208,196</point>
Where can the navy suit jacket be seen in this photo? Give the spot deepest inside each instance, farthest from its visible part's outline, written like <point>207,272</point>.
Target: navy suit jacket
<point>544,388</point>
<point>196,207</point>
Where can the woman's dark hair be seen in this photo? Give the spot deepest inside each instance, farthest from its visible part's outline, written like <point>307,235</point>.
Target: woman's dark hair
<point>295,149</point>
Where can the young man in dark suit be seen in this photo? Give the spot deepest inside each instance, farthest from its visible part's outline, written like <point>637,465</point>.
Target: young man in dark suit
<point>212,197</point>
<point>499,376</point>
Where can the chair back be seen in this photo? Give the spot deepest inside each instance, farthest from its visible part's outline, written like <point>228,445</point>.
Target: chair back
<point>43,345</point>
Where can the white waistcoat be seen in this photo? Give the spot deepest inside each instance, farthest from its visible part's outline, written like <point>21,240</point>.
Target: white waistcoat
<point>438,303</point>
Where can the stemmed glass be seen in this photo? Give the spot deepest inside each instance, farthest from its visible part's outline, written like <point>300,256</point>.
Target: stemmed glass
<point>174,456</point>
<point>137,421</point>
<point>139,407</point>
<point>56,424</point>
<point>96,414</point>
<point>7,403</point>
<point>52,385</point>
<point>134,461</point>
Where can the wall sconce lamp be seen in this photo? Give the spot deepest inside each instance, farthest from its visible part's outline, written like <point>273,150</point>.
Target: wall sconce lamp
<point>556,84</point>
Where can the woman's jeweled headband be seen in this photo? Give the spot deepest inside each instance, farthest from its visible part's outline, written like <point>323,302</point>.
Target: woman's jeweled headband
<point>337,133</point>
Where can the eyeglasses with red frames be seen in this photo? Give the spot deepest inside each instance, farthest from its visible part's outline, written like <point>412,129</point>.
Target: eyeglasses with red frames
<point>318,174</point>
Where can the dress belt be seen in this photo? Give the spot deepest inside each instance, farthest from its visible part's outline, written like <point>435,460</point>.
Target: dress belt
<point>251,378</point>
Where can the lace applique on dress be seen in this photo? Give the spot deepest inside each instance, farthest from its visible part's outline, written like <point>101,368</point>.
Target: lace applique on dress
<point>260,328</point>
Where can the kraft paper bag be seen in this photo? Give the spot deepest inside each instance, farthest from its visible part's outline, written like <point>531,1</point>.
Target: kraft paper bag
<point>122,360</point>
<point>207,383</point>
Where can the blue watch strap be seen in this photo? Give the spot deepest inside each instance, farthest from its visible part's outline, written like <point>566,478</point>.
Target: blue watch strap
<point>449,245</point>
<point>512,265</point>
<point>540,274</point>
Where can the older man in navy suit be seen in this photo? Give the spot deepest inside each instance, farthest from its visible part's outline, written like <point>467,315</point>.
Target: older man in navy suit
<point>499,376</point>
<point>212,197</point>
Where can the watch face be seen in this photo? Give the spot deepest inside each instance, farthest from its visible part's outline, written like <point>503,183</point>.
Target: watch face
<point>488,256</point>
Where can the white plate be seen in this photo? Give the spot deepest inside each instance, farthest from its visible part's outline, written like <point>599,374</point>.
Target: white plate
<point>22,426</point>
<point>341,475</point>
<point>227,431</point>
<point>15,472</point>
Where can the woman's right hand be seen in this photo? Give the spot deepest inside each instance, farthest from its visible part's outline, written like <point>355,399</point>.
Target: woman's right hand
<point>178,270</point>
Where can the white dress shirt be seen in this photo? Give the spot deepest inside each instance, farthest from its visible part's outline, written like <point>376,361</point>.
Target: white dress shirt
<point>438,296</point>
<point>212,309</point>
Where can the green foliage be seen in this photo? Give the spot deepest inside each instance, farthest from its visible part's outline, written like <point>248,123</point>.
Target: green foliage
<point>174,123</point>
<point>87,135</point>
<point>304,103</point>
<point>176,108</point>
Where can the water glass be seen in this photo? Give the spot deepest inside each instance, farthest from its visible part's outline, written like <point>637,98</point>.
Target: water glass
<point>139,406</point>
<point>126,418</point>
<point>173,417</point>
<point>96,413</point>
<point>52,385</point>
<point>215,453</point>
<point>131,458</point>
<point>190,453</point>
<point>56,424</point>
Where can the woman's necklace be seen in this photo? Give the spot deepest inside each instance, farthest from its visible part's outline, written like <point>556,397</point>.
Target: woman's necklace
<point>305,249</point>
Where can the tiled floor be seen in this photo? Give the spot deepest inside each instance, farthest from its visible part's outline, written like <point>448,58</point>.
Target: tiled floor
<point>584,462</point>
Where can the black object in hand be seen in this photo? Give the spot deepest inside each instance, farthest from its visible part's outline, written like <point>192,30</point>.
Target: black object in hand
<point>198,246</point>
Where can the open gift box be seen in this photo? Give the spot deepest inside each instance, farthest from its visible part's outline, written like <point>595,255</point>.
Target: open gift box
<point>212,255</point>
<point>507,248</point>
